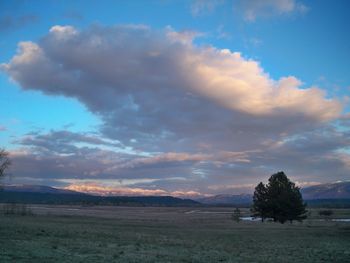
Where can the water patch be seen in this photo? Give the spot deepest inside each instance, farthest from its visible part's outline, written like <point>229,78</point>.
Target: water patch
<point>207,212</point>
<point>250,218</point>
<point>341,220</point>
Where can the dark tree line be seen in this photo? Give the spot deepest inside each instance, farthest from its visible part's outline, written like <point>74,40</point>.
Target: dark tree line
<point>4,162</point>
<point>279,199</point>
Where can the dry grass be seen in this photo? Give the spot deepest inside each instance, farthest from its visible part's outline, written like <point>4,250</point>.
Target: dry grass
<point>165,235</point>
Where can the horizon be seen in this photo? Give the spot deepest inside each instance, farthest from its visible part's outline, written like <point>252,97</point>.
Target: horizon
<point>179,98</point>
<point>103,193</point>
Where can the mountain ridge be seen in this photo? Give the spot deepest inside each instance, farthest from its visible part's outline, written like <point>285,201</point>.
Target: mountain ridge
<point>38,189</point>
<point>329,191</point>
<point>337,190</point>
<point>39,194</point>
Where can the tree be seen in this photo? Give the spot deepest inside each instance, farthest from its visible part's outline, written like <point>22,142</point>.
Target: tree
<point>4,162</point>
<point>280,200</point>
<point>326,214</point>
<point>260,207</point>
<point>236,216</point>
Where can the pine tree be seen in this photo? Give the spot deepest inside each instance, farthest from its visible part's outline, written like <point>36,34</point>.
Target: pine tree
<point>297,207</point>
<point>260,207</point>
<point>280,199</point>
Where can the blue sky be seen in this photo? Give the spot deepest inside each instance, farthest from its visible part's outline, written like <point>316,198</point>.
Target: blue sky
<point>132,136</point>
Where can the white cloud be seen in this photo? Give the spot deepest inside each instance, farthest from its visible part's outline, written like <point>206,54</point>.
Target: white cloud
<point>157,64</point>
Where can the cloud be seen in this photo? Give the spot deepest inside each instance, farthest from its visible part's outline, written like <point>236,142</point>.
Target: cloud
<point>3,128</point>
<point>62,141</point>
<point>167,159</point>
<point>202,7</point>
<point>81,155</point>
<point>98,189</point>
<point>8,23</point>
<point>306,157</point>
<point>167,87</point>
<point>221,33</point>
<point>59,155</point>
<point>176,95</point>
<point>172,109</point>
<point>250,10</point>
<point>254,9</point>
<point>319,155</point>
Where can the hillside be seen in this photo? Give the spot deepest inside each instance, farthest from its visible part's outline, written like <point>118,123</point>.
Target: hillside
<point>37,189</point>
<point>50,195</point>
<point>340,190</point>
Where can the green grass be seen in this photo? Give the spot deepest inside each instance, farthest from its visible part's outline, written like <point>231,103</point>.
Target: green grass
<point>162,238</point>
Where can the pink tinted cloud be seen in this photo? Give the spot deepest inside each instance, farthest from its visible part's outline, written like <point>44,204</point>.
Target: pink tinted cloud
<point>98,189</point>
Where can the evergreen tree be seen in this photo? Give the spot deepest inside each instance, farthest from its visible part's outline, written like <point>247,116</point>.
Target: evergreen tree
<point>280,199</point>
<point>236,216</point>
<point>260,206</point>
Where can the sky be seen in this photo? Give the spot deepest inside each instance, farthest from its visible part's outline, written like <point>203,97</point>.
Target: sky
<point>182,98</point>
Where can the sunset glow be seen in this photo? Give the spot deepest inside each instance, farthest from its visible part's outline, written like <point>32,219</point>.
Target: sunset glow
<point>186,98</point>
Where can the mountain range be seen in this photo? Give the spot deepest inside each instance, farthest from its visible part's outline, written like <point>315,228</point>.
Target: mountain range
<point>37,189</point>
<point>39,194</point>
<point>318,194</point>
<point>329,191</point>
<point>338,190</point>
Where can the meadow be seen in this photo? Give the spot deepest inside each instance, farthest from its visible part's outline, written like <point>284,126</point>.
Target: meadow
<point>151,234</point>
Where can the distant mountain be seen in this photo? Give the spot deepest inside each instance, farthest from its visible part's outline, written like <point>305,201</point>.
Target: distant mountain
<point>340,190</point>
<point>226,199</point>
<point>324,192</point>
<point>36,194</point>
<point>37,189</point>
<point>318,195</point>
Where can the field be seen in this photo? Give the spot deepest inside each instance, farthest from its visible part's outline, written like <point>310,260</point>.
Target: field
<point>131,234</point>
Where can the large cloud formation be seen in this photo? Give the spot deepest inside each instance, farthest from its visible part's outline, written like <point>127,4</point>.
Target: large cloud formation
<point>131,62</point>
<point>209,109</point>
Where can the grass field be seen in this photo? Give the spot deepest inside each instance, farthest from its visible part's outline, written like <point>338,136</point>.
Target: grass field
<point>120,234</point>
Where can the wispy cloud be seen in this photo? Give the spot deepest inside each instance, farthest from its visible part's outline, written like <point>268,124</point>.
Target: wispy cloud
<point>254,9</point>
<point>8,23</point>
<point>250,10</point>
<point>203,7</point>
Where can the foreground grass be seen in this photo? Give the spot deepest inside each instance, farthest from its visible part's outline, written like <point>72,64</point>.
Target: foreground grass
<point>194,239</point>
